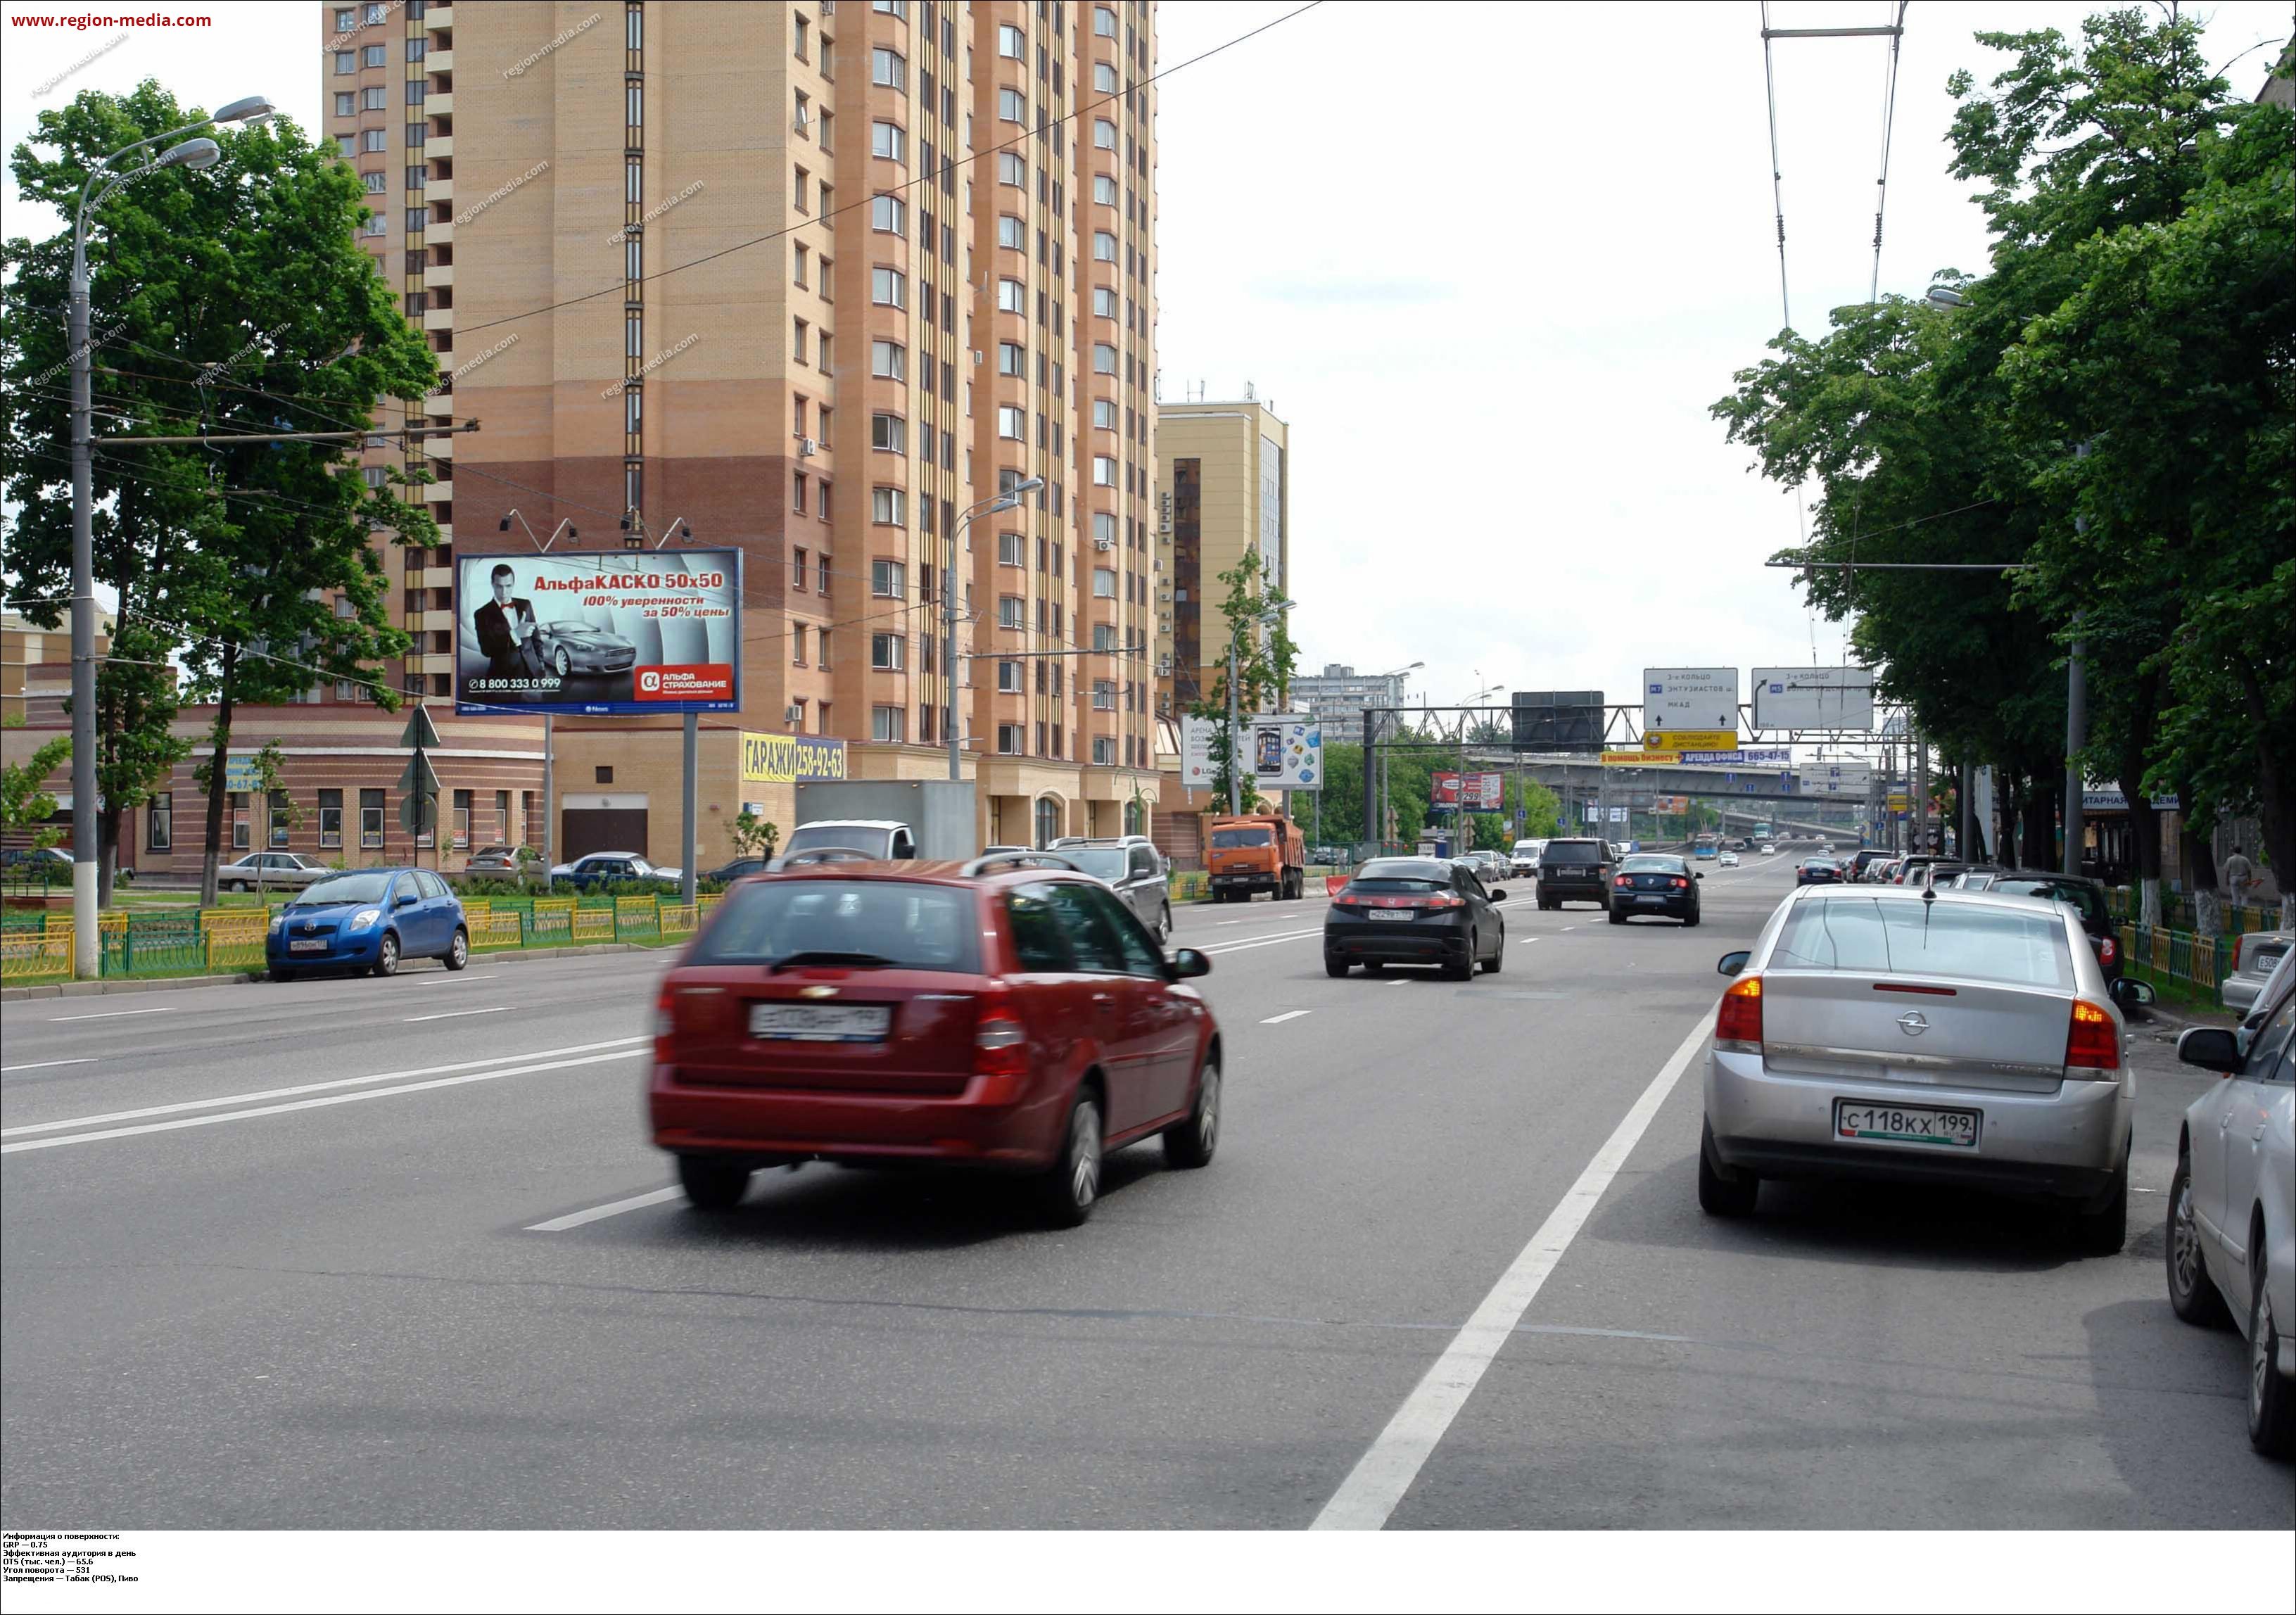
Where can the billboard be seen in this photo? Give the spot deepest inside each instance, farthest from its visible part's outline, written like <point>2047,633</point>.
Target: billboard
<point>783,759</point>
<point>1558,720</point>
<point>1814,697</point>
<point>1481,792</point>
<point>1282,750</point>
<point>1690,708</point>
<point>649,631</point>
<point>1641,759</point>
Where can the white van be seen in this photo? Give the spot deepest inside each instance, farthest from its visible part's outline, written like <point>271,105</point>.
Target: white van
<point>1525,857</point>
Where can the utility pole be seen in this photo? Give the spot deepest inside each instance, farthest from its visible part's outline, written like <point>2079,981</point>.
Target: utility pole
<point>1234,790</point>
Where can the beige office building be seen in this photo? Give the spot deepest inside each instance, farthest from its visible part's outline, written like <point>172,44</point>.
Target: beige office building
<point>813,281</point>
<point>1227,467</point>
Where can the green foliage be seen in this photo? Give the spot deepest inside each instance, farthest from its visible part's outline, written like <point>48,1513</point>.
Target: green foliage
<point>754,837</point>
<point>23,805</point>
<point>1257,627</point>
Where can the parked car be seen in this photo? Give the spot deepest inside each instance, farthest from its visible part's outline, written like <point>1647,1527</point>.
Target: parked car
<point>598,868</point>
<point>570,647</point>
<point>36,866</point>
<point>2232,1228</point>
<point>1575,870</point>
<point>1654,884</point>
<point>274,871</point>
<point>1959,1039</point>
<point>1817,871</point>
<point>2084,896</point>
<point>2254,955</point>
<point>368,919</point>
<point>740,868</point>
<point>1131,868</point>
<point>1491,868</point>
<point>990,1014</point>
<point>1861,863</point>
<point>1415,911</point>
<point>500,861</point>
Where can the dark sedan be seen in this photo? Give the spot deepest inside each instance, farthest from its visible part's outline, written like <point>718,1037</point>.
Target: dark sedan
<point>1654,884</point>
<point>1415,911</point>
<point>1817,871</point>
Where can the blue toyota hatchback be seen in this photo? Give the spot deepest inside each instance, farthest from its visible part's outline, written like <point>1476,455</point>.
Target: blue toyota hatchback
<point>370,920</point>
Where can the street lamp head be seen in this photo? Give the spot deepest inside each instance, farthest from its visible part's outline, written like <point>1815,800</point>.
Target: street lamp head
<point>1945,297</point>
<point>247,109</point>
<point>198,153</point>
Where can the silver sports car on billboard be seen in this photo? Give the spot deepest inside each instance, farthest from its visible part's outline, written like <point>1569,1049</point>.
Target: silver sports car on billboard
<point>577,647</point>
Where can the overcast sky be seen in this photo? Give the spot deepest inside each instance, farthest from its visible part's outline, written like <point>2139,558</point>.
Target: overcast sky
<point>1491,261</point>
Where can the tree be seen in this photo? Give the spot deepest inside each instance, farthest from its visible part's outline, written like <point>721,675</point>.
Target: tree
<point>1254,611</point>
<point>137,748</point>
<point>25,809</point>
<point>754,837</point>
<point>250,308</point>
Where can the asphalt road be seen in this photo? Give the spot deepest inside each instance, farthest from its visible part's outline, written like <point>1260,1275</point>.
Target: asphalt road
<point>321,1255</point>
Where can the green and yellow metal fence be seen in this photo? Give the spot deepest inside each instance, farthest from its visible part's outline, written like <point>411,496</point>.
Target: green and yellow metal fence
<point>2156,954</point>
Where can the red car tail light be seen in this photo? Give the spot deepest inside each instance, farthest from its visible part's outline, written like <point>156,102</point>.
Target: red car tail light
<point>1000,1040</point>
<point>1738,1023</point>
<point>665,1025</point>
<point>1624,881</point>
<point>1681,884</point>
<point>2107,950</point>
<point>1447,900</point>
<point>2091,1042</point>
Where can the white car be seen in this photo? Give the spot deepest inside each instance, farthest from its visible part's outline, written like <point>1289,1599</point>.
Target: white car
<point>2232,1226</point>
<point>1729,860</point>
<point>1769,848</point>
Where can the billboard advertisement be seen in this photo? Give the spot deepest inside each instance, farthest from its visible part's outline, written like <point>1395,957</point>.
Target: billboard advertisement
<point>1283,751</point>
<point>1481,792</point>
<point>1641,759</point>
<point>649,631</point>
<point>1690,708</point>
<point>1814,697</point>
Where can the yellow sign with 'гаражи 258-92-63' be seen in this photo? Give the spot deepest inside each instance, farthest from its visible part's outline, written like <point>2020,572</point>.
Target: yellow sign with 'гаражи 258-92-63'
<point>783,759</point>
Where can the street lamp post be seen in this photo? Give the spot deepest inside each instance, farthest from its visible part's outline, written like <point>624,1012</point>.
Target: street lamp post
<point>87,958</point>
<point>1010,499</point>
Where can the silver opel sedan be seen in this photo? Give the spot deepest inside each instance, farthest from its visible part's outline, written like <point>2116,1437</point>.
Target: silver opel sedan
<point>1930,1037</point>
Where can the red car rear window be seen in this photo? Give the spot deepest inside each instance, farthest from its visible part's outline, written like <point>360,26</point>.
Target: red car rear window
<point>907,925</point>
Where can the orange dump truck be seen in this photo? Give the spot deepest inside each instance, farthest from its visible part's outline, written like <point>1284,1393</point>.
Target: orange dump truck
<point>1250,852</point>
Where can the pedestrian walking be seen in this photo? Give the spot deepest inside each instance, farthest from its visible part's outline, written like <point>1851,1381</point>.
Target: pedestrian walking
<point>2239,875</point>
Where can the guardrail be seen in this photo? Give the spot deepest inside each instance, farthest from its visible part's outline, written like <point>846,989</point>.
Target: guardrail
<point>188,942</point>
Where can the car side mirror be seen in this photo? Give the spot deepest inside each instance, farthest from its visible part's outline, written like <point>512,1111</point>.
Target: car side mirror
<point>1186,965</point>
<point>1697,875</point>
<point>2210,1047</point>
<point>1498,894</point>
<point>1731,964</point>
<point>2129,992</point>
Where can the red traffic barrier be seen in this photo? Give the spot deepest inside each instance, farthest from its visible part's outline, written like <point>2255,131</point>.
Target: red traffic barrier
<point>1334,884</point>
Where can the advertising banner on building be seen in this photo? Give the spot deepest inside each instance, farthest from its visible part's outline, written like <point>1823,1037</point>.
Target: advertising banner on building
<point>1481,792</point>
<point>1745,756</point>
<point>1814,697</point>
<point>1641,759</point>
<point>1281,752</point>
<point>650,631</point>
<point>783,759</point>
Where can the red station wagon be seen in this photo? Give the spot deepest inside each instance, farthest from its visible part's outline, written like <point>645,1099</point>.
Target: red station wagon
<point>1009,1014</point>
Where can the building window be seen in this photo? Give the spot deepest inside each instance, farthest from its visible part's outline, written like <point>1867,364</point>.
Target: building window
<point>159,823</point>
<point>1104,530</point>
<point>369,819</point>
<point>887,580</point>
<point>888,287</point>
<point>1012,297</point>
<point>888,507</point>
<point>1104,21</point>
<point>886,653</point>
<point>889,68</point>
<point>462,826</point>
<point>888,213</point>
<point>1103,134</point>
<point>1012,550</point>
<point>1104,360</point>
<point>1104,471</point>
<point>1012,232</point>
<point>347,62</point>
<point>1012,421</point>
<point>1104,247</point>
<point>1011,611</point>
<point>823,587</point>
<point>889,141</point>
<point>888,723</point>
<point>1104,414</point>
<point>1012,739</point>
<point>1011,169</point>
<point>1009,679</point>
<point>889,361</point>
<point>1011,41</point>
<point>889,432</point>
<point>1103,637</point>
<point>345,19</point>
<point>797,485</point>
<point>1103,583</point>
<point>1011,106</point>
<point>797,645</point>
<point>797,570</point>
<point>1103,301</point>
<point>1103,750</point>
<point>1104,78</point>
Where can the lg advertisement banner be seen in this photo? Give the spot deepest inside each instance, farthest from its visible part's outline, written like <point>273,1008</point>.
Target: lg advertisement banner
<point>1484,793</point>
<point>1284,752</point>
<point>653,631</point>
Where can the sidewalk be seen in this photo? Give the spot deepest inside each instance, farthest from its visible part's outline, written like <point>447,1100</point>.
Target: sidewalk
<point>171,984</point>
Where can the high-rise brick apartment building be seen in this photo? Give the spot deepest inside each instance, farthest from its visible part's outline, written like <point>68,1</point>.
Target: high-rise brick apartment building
<point>813,280</point>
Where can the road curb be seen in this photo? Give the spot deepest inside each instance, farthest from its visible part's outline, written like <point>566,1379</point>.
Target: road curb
<point>176,984</point>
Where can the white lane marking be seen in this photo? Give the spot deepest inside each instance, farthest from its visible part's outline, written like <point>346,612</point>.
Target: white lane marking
<point>575,1219</point>
<point>41,1065</point>
<point>114,1014</point>
<point>1238,946</point>
<point>1287,1015</point>
<point>1383,1474</point>
<point>450,981</point>
<point>1399,981</point>
<point>313,1087</point>
<point>1231,922</point>
<point>309,1104</point>
<point>455,1014</point>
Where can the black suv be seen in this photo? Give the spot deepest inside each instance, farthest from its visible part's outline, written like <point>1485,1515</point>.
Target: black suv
<point>2086,896</point>
<point>1578,869</point>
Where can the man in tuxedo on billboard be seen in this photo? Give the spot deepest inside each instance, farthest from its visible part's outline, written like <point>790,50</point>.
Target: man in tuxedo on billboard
<point>507,632</point>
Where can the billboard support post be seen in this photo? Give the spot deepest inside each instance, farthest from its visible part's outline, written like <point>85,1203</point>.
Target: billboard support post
<point>691,849</point>
<point>549,799</point>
